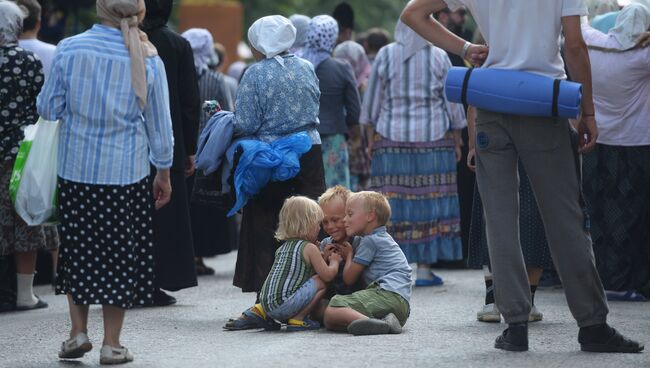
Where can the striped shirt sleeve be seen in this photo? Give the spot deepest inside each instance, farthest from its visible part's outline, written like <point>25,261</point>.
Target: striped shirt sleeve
<point>51,101</point>
<point>158,121</point>
<point>373,100</point>
<point>456,111</point>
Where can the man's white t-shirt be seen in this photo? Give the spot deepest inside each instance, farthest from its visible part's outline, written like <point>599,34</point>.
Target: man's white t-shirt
<point>44,51</point>
<point>523,34</point>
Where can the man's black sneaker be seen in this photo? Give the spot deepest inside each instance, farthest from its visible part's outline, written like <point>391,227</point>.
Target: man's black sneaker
<point>605,339</point>
<point>514,338</point>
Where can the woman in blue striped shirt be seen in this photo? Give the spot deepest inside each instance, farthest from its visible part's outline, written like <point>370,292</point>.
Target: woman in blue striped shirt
<point>113,104</point>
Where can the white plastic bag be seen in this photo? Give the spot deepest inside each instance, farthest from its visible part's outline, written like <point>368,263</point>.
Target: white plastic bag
<point>33,186</point>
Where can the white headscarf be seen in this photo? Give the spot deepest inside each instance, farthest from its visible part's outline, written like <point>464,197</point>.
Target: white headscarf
<point>202,47</point>
<point>301,22</point>
<point>11,22</point>
<point>410,41</point>
<point>632,21</point>
<point>272,36</point>
<point>323,34</point>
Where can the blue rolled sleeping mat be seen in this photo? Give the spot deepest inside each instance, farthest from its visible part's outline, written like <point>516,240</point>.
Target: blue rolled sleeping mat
<point>514,92</point>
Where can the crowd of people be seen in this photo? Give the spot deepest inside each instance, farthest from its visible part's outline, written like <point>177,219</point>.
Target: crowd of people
<point>377,165</point>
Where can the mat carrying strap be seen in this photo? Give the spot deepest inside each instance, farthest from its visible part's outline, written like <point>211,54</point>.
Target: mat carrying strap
<point>463,96</point>
<point>556,97</point>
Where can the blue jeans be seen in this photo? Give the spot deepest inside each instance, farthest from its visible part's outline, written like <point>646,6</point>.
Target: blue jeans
<point>296,302</point>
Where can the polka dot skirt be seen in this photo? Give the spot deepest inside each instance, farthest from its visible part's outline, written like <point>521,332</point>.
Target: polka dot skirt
<point>106,254</point>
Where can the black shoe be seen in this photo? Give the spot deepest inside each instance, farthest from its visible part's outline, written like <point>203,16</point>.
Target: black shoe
<point>162,299</point>
<point>6,306</point>
<point>203,270</point>
<point>605,339</point>
<point>514,338</point>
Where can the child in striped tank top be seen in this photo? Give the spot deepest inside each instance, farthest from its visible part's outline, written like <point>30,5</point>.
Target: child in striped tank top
<point>297,280</point>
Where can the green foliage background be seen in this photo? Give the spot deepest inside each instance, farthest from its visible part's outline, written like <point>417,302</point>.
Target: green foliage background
<point>368,13</point>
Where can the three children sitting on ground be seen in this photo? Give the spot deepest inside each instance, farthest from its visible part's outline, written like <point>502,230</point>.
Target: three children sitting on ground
<point>299,278</point>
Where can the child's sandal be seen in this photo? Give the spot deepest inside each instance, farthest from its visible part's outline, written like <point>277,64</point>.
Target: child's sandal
<point>294,325</point>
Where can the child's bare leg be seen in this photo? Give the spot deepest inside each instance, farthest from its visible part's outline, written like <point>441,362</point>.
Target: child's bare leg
<point>318,314</point>
<point>321,288</point>
<point>338,319</point>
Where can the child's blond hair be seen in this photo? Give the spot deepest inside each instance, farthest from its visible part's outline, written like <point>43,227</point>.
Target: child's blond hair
<point>298,217</point>
<point>338,192</point>
<point>373,202</point>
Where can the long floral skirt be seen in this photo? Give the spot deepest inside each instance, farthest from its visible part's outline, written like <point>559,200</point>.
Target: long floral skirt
<point>336,160</point>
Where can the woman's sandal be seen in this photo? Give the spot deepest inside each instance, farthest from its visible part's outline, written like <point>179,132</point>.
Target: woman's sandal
<point>294,325</point>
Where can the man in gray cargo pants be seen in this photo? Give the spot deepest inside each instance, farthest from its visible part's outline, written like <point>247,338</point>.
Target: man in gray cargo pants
<point>520,42</point>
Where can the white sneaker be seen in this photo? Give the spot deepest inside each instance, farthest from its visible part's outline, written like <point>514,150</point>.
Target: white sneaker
<point>535,315</point>
<point>76,347</point>
<point>110,355</point>
<point>489,313</point>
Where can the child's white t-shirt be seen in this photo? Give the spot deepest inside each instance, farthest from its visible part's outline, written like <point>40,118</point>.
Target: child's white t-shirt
<point>523,34</point>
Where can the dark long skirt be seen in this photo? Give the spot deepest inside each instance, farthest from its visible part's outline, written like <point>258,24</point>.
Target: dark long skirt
<point>531,230</point>
<point>106,255</point>
<point>617,191</point>
<point>466,180</point>
<point>208,209</point>
<point>257,244</point>
<point>174,249</point>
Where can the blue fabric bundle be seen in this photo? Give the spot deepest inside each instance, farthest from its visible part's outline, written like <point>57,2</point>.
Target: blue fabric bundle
<point>214,141</point>
<point>514,92</point>
<point>261,163</point>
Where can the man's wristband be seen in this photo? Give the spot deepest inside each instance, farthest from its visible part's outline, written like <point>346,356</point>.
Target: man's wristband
<point>463,54</point>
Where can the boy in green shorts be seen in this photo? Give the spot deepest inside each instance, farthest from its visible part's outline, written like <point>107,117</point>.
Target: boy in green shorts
<point>383,307</point>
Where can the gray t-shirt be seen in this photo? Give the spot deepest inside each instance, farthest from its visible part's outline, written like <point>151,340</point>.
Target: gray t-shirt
<point>523,35</point>
<point>385,263</point>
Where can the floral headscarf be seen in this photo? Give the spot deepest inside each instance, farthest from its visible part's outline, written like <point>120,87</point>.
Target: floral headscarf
<point>323,34</point>
<point>11,22</point>
<point>632,21</point>
<point>355,55</point>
